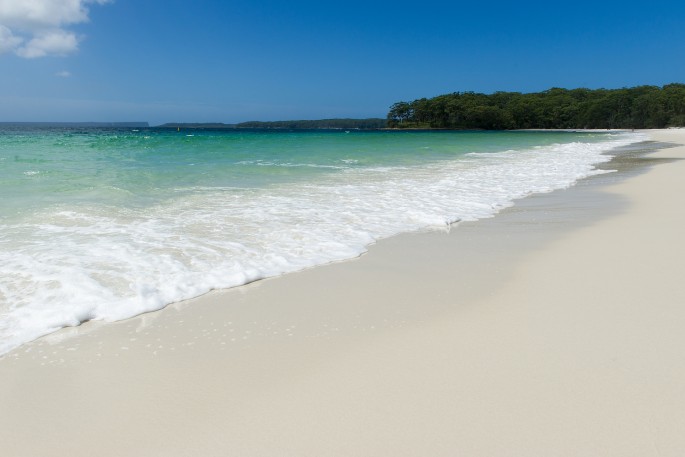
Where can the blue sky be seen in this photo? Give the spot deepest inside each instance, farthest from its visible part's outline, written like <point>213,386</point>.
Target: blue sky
<point>231,61</point>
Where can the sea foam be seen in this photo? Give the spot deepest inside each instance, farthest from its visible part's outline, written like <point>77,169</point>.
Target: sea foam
<point>64,265</point>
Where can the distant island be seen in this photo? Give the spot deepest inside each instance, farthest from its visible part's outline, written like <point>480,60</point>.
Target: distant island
<point>628,108</point>
<point>362,124</point>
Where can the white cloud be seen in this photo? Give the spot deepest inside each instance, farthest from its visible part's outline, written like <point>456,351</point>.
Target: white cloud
<point>55,42</point>
<point>63,74</point>
<point>38,28</point>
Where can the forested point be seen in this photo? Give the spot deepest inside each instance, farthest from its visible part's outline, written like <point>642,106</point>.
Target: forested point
<point>628,108</point>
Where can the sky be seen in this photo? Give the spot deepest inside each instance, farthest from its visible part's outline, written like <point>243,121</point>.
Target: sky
<point>240,60</point>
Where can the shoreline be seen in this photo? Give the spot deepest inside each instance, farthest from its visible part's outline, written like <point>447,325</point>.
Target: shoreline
<point>222,238</point>
<point>494,339</point>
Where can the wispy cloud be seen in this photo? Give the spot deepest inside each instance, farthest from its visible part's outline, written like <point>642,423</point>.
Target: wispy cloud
<point>38,28</point>
<point>63,74</point>
<point>8,41</point>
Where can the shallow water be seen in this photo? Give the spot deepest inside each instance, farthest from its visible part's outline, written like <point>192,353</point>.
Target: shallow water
<point>107,224</point>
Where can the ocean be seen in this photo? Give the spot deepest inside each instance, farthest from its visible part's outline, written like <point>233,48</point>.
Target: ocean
<point>110,223</point>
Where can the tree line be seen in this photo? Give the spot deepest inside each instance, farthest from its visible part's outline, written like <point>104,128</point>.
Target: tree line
<point>627,108</point>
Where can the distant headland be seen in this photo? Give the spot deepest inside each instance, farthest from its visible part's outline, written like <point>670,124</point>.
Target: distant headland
<point>362,124</point>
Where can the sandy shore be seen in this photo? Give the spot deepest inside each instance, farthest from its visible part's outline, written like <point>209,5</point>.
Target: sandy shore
<point>553,329</point>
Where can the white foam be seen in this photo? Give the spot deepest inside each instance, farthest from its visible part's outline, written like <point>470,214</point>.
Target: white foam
<point>69,265</point>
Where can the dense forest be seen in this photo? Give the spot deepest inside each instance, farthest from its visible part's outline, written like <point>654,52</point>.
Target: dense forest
<point>628,108</point>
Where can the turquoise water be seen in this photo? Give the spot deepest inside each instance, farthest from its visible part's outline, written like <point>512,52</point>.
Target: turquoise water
<point>51,166</point>
<point>107,224</point>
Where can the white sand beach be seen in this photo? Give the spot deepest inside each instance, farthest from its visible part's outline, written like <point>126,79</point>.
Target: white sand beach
<point>552,329</point>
